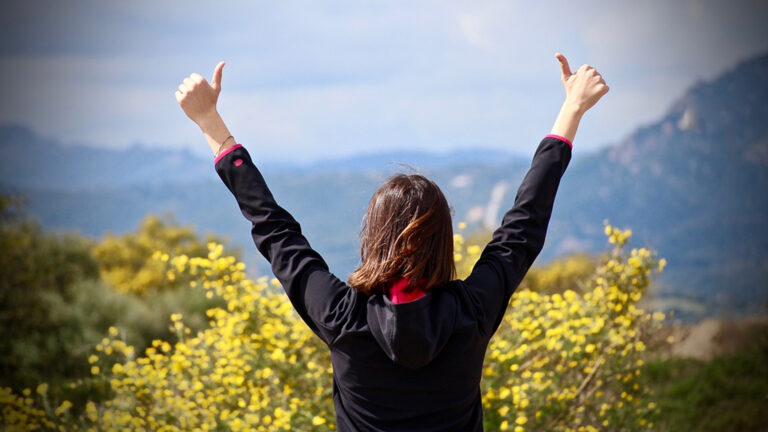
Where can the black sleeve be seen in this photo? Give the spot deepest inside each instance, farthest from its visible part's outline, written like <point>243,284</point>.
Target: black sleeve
<point>518,241</point>
<point>320,298</point>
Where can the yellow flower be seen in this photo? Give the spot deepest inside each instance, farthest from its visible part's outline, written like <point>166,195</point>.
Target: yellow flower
<point>64,407</point>
<point>662,264</point>
<point>42,389</point>
<point>92,411</point>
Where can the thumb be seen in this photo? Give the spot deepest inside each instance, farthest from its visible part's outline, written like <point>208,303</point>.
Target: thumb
<point>216,80</point>
<point>565,69</point>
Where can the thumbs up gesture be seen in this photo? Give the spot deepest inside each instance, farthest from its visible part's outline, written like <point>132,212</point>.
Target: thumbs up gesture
<point>584,87</point>
<point>197,97</point>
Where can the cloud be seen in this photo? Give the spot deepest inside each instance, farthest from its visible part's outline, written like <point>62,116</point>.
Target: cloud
<point>318,79</point>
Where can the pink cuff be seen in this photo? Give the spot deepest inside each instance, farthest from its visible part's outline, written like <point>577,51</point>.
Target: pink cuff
<point>224,153</point>
<point>570,144</point>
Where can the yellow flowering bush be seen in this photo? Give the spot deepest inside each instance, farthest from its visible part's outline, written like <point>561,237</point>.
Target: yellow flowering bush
<point>557,276</point>
<point>124,259</point>
<point>572,272</point>
<point>256,367</point>
<point>570,361</point>
<point>559,362</point>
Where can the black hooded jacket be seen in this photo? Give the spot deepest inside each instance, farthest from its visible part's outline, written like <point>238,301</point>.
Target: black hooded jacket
<point>413,366</point>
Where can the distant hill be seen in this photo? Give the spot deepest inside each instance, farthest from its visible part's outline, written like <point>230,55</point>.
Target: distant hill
<point>28,160</point>
<point>691,185</point>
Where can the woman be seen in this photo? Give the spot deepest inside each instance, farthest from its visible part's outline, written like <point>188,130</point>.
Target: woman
<point>407,341</point>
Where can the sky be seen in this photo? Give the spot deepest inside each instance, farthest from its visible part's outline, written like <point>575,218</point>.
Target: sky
<point>312,80</point>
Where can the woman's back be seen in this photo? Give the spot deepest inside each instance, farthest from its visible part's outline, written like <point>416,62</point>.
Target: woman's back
<point>414,365</point>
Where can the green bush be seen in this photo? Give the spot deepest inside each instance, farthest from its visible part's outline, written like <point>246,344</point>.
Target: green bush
<point>55,307</point>
<point>728,393</point>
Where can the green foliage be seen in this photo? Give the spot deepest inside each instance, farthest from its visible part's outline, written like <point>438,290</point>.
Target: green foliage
<point>55,308</point>
<point>727,393</point>
<point>36,267</point>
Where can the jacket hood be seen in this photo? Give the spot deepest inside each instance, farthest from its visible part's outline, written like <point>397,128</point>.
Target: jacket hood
<point>414,332</point>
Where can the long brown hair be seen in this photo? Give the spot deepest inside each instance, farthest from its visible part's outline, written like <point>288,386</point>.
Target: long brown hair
<point>407,232</point>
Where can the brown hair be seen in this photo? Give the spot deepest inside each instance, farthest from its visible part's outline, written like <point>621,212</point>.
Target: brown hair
<point>407,232</point>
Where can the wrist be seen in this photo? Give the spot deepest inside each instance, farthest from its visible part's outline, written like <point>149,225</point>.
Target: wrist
<point>573,108</point>
<point>209,121</point>
<point>215,131</point>
<point>567,121</point>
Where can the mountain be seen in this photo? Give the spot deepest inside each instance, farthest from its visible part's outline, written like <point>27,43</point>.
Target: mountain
<point>28,160</point>
<point>691,185</point>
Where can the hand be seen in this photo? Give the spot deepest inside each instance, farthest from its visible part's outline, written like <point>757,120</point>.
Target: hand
<point>198,98</point>
<point>584,87</point>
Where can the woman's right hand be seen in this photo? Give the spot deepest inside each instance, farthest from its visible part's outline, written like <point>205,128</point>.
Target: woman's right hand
<point>584,87</point>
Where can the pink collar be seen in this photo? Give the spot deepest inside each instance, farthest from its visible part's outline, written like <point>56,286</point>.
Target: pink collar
<point>397,295</point>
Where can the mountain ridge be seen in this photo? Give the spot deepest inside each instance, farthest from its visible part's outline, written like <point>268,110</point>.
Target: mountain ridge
<point>43,162</point>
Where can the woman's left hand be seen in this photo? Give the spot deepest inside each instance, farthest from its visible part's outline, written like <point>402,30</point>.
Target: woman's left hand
<point>197,97</point>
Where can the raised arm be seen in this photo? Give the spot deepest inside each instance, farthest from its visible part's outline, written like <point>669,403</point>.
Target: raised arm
<point>319,297</point>
<point>518,241</point>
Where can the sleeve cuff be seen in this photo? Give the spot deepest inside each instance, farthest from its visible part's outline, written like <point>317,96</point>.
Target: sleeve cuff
<point>224,153</point>
<point>570,144</point>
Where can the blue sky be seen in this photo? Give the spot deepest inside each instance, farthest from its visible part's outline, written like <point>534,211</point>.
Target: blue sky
<point>313,80</point>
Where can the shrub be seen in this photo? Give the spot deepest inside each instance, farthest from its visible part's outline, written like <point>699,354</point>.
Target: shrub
<point>55,308</point>
<point>559,362</point>
<point>125,260</point>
